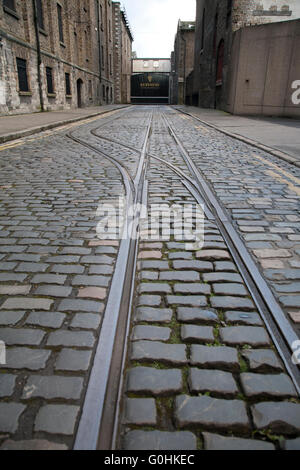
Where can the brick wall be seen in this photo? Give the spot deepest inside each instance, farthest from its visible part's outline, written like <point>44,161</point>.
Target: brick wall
<point>213,26</point>
<point>122,55</point>
<point>182,61</point>
<point>85,52</point>
<point>255,12</point>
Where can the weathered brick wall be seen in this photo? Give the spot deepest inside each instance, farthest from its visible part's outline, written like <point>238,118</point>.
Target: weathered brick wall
<point>254,12</point>
<point>78,54</point>
<point>117,32</point>
<point>122,56</point>
<point>182,61</point>
<point>217,28</point>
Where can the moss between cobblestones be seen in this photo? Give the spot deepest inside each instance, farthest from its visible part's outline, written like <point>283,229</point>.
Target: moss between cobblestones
<point>185,378</point>
<point>294,400</point>
<point>165,410</point>
<point>267,435</point>
<point>243,364</point>
<point>242,397</point>
<point>175,337</point>
<point>216,331</point>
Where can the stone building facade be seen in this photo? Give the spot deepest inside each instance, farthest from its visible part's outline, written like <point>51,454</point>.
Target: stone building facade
<point>216,23</point>
<point>254,12</point>
<point>122,55</point>
<point>182,61</point>
<point>55,54</point>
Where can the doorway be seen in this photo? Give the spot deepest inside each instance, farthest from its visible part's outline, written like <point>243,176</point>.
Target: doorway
<point>79,93</point>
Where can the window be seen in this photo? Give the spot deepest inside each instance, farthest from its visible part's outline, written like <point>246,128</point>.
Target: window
<point>102,56</point>
<point>220,63</point>
<point>10,4</point>
<point>215,34</point>
<point>229,13</point>
<point>60,23</point>
<point>203,30</point>
<point>101,17</point>
<point>68,84</point>
<point>110,64</point>
<point>49,76</point>
<point>145,64</point>
<point>39,12</point>
<point>22,75</point>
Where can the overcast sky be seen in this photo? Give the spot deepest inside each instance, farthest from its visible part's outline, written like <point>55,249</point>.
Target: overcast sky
<point>154,24</point>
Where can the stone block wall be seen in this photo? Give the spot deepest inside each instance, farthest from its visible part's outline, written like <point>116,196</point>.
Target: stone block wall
<point>83,48</point>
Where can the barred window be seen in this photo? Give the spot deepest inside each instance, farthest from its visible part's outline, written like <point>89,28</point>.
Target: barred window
<point>49,76</point>
<point>68,84</point>
<point>39,12</point>
<point>22,75</point>
<point>60,23</point>
<point>10,4</point>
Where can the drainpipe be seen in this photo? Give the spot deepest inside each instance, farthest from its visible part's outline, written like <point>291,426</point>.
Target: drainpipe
<point>39,57</point>
<point>184,67</point>
<point>99,43</point>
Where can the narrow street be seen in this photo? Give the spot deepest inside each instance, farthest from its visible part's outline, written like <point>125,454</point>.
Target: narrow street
<point>162,338</point>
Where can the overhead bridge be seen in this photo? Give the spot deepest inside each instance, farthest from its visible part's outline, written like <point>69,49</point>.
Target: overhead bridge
<point>150,81</point>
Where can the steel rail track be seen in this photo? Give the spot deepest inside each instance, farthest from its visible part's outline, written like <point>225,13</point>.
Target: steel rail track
<point>98,425</point>
<point>274,318</point>
<point>279,328</point>
<point>100,410</point>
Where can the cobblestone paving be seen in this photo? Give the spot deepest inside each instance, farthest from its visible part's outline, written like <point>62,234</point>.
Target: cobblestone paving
<point>55,276</point>
<point>202,372</point>
<point>261,193</point>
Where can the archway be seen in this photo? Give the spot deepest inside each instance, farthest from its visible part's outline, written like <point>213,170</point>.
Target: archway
<point>79,93</point>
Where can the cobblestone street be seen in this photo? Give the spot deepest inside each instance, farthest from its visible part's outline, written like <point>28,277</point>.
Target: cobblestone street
<point>204,346</point>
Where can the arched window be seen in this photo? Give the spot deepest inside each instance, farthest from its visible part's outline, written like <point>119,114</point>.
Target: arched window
<point>220,63</point>
<point>215,34</point>
<point>203,30</point>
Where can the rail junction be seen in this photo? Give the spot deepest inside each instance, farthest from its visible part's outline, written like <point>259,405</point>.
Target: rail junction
<point>147,341</point>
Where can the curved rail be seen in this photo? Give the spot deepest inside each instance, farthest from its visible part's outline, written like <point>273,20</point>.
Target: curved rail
<point>274,318</point>
<point>97,423</point>
<point>99,420</point>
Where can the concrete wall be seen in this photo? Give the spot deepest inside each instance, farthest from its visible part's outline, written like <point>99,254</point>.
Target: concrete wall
<point>265,65</point>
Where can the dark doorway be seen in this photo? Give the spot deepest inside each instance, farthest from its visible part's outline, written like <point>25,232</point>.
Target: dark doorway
<point>219,74</point>
<point>150,88</point>
<point>79,93</point>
